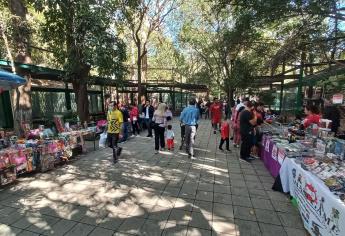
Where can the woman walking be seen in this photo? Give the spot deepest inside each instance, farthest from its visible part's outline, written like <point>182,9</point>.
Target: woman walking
<point>160,121</point>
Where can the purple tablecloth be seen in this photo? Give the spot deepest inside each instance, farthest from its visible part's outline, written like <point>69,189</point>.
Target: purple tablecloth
<point>271,164</point>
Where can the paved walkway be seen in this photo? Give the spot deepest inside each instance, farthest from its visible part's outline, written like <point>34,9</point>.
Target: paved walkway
<point>147,194</point>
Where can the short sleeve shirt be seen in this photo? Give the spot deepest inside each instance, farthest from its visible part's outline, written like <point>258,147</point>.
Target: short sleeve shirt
<point>115,119</point>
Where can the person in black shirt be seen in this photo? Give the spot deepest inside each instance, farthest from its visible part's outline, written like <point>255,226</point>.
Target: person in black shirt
<point>248,120</point>
<point>332,113</point>
<point>147,112</point>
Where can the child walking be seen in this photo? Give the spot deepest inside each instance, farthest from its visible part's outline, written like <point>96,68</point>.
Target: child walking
<point>225,133</point>
<point>170,138</point>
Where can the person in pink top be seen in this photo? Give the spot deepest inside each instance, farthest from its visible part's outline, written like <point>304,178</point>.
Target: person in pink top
<point>134,115</point>
<point>236,126</point>
<point>313,116</point>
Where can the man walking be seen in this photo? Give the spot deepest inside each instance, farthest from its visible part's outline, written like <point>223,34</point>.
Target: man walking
<point>190,117</point>
<point>248,120</point>
<point>115,120</point>
<point>148,111</point>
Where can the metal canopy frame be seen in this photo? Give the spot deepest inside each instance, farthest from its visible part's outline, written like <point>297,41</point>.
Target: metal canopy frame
<point>44,73</point>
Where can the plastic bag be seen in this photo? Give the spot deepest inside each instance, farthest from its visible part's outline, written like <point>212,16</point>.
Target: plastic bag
<point>103,140</point>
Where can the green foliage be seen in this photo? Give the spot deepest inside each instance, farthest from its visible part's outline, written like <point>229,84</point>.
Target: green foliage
<point>267,97</point>
<point>80,34</point>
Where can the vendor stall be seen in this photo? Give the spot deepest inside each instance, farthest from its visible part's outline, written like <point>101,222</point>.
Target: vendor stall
<point>40,150</point>
<point>310,167</point>
<point>322,211</point>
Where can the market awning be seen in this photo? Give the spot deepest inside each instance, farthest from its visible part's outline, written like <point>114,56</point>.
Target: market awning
<point>9,80</point>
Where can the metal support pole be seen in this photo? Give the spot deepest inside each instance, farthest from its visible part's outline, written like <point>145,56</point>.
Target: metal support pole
<point>173,99</point>
<point>282,90</point>
<point>102,98</point>
<point>68,98</point>
<point>299,96</point>
<point>281,96</point>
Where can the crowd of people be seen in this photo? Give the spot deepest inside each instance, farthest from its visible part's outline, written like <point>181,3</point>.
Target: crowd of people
<point>123,118</point>
<point>239,121</point>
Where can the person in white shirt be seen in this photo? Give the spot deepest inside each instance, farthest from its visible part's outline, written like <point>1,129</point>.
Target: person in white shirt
<point>170,136</point>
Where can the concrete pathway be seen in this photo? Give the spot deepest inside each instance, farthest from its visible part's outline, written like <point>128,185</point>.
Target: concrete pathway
<point>148,194</point>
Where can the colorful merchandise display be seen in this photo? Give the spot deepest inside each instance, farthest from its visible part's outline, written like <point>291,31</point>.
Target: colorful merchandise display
<point>311,169</point>
<point>19,156</point>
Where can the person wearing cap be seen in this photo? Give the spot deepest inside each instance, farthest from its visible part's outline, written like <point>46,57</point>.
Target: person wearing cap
<point>115,120</point>
<point>190,117</point>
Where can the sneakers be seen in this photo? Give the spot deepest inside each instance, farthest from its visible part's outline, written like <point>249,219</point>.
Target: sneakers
<point>251,158</point>
<point>156,152</point>
<point>214,131</point>
<point>244,160</point>
<point>228,150</point>
<point>220,148</point>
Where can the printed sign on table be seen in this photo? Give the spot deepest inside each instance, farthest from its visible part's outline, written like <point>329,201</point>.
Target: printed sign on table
<point>275,152</point>
<point>322,213</point>
<point>281,155</point>
<point>267,145</point>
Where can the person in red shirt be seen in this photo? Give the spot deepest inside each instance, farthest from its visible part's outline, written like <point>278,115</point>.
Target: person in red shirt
<point>216,114</point>
<point>225,133</point>
<point>313,116</point>
<point>134,115</point>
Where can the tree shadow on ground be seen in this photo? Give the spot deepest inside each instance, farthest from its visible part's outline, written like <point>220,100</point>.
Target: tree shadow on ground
<point>144,194</point>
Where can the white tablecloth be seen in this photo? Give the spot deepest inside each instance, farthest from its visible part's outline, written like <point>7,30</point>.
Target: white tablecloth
<point>323,213</point>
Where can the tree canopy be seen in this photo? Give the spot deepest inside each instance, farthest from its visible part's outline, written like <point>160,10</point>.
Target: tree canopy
<point>225,44</point>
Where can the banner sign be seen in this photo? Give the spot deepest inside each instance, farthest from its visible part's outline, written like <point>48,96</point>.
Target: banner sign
<point>275,152</point>
<point>338,98</point>
<point>322,212</point>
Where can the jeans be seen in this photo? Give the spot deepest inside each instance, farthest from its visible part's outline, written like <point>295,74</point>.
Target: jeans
<point>148,125</point>
<point>246,145</point>
<point>190,139</point>
<point>125,126</point>
<point>159,137</point>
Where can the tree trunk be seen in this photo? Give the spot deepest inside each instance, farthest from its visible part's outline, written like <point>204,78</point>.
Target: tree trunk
<point>139,70</point>
<point>81,96</point>
<point>82,101</point>
<point>231,97</point>
<point>21,98</point>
